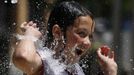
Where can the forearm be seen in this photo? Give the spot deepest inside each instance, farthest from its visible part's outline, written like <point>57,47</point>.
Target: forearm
<point>25,47</point>
<point>110,72</point>
<point>25,56</point>
<point>107,63</point>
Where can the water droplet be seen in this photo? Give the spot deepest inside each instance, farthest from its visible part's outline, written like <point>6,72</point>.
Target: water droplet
<point>14,23</point>
<point>133,68</point>
<point>14,1</point>
<point>131,60</point>
<point>5,1</point>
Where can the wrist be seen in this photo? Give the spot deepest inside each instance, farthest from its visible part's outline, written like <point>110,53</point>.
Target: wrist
<point>26,37</point>
<point>112,72</point>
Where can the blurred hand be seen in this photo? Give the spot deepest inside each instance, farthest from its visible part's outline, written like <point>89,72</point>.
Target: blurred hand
<point>31,30</point>
<point>107,62</point>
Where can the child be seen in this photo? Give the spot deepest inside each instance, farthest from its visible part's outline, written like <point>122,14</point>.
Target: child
<point>70,28</point>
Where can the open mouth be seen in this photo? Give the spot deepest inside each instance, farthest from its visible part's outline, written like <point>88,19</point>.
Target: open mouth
<point>78,51</point>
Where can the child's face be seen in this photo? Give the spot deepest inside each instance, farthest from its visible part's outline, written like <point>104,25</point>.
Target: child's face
<point>78,36</point>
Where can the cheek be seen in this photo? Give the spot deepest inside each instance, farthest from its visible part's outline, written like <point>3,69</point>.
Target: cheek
<point>78,39</point>
<point>72,40</point>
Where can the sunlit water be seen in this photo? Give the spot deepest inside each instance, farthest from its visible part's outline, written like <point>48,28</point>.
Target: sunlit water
<point>12,1</point>
<point>56,67</point>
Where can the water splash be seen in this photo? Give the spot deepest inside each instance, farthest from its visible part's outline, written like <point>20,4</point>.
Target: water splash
<point>21,37</point>
<point>4,64</point>
<point>54,64</point>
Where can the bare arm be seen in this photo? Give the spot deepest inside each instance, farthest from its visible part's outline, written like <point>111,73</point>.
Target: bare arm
<point>107,63</point>
<point>25,56</point>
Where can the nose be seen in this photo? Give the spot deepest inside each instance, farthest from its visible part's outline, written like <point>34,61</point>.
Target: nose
<point>86,43</point>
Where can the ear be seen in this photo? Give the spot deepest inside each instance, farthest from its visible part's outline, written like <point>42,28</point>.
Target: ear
<point>93,26</point>
<point>56,31</point>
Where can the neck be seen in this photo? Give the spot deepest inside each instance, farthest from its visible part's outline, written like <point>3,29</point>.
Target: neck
<point>66,56</point>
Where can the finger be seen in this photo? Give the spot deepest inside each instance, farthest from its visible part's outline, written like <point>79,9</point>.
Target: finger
<point>23,24</point>
<point>101,56</point>
<point>37,28</point>
<point>99,53</point>
<point>112,55</point>
<point>30,23</point>
<point>34,25</point>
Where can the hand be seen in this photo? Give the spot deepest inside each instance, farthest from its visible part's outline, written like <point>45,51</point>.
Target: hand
<point>105,50</point>
<point>107,62</point>
<point>31,30</point>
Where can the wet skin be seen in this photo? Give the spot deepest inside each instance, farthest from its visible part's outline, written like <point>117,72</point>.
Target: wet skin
<point>78,41</point>
<point>78,38</point>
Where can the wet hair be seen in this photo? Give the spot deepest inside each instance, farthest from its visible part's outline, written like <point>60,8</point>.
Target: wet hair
<point>64,15</point>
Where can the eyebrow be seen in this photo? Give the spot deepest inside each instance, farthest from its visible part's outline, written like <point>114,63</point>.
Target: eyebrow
<point>86,30</point>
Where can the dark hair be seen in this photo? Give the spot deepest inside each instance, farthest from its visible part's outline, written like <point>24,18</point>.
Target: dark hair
<point>64,15</point>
